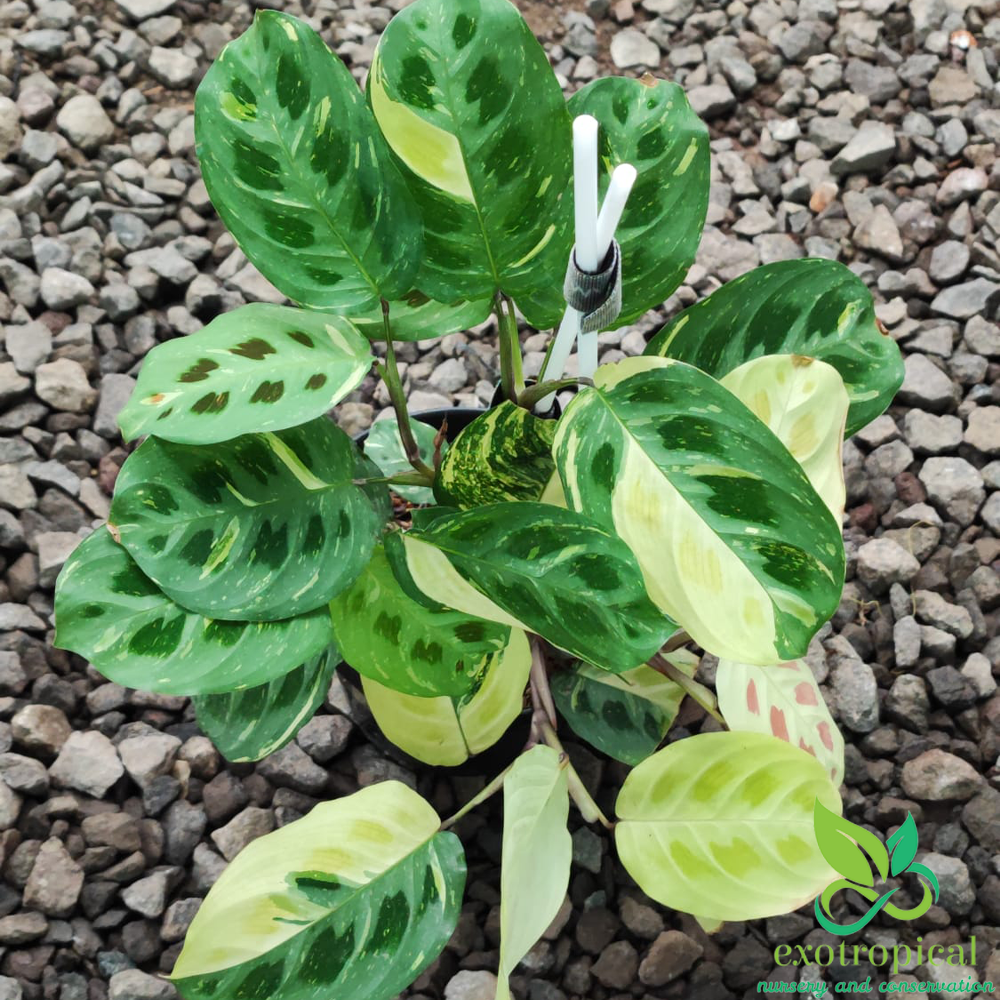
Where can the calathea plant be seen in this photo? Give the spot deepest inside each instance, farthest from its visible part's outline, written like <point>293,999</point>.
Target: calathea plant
<point>691,497</point>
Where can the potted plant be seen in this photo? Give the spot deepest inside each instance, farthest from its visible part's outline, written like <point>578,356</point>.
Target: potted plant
<point>689,497</point>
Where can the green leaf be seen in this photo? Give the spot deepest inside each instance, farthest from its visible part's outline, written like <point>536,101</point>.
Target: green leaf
<point>506,454</point>
<point>354,900</point>
<point>248,725</point>
<point>539,568</point>
<point>466,99</point>
<point>814,307</point>
<point>111,613</point>
<point>836,837</point>
<point>722,824</point>
<point>537,850</point>
<point>299,172</point>
<point>257,368</point>
<point>650,124</point>
<point>447,731</point>
<point>804,403</point>
<point>903,844</point>
<point>264,526</point>
<point>390,638</point>
<point>417,317</point>
<point>385,448</point>
<point>734,543</point>
<point>782,700</point>
<point>624,715</point>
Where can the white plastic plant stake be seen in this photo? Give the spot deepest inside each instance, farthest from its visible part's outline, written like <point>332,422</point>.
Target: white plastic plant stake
<point>593,234</point>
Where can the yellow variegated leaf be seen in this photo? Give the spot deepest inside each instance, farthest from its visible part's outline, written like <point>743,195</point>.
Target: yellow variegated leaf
<point>781,700</point>
<point>354,899</point>
<point>722,824</point>
<point>804,402</point>
<point>447,731</point>
<point>537,850</point>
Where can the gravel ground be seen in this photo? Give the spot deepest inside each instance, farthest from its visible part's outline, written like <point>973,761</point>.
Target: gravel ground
<point>863,130</point>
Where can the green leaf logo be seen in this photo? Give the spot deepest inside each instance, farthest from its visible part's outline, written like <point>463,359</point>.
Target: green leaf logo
<point>844,845</point>
<point>903,844</point>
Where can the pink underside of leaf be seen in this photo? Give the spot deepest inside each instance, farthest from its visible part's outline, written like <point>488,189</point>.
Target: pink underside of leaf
<point>805,694</point>
<point>778,725</point>
<point>825,735</point>
<point>753,705</point>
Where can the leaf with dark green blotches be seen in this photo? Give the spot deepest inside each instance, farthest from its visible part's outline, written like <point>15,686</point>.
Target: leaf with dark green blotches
<point>388,637</point>
<point>385,448</point>
<point>505,454</point>
<point>258,368</point>
<point>111,613</point>
<point>539,568</point>
<point>264,526</point>
<point>299,172</point>
<point>250,724</point>
<point>649,123</point>
<point>355,899</point>
<point>734,542</point>
<point>468,102</point>
<point>624,715</point>
<point>817,308</point>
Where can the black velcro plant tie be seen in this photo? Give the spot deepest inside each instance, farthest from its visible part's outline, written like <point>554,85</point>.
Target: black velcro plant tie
<point>598,296</point>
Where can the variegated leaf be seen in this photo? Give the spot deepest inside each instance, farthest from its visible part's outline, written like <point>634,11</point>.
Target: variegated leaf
<point>624,715</point>
<point>111,613</point>
<point>390,638</point>
<point>734,543</point>
<point>466,98</point>
<point>536,567</point>
<point>385,448</point>
<point>722,824</point>
<point>299,172</point>
<point>649,123</point>
<point>354,900</point>
<point>805,404</point>
<point>537,851</point>
<point>257,368</point>
<point>264,526</point>
<point>250,724</point>
<point>506,454</point>
<point>814,307</point>
<point>447,731</point>
<point>782,700</point>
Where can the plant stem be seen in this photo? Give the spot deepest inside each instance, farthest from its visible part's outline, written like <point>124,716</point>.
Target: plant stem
<point>583,800</point>
<point>536,393</point>
<point>511,375</point>
<point>541,693</point>
<point>389,374</point>
<point>494,786</point>
<point>678,639</point>
<point>698,692</point>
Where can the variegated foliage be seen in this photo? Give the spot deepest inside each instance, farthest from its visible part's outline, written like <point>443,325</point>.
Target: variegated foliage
<point>466,99</point>
<point>265,526</point>
<point>804,403</point>
<point>537,851</point>
<point>734,543</point>
<point>624,715</point>
<point>649,124</point>
<point>449,730</point>
<point>258,368</point>
<point>385,448</point>
<point>299,172</point>
<point>814,307</point>
<point>506,454</point>
<point>722,824</point>
<point>250,724</point>
<point>783,700</point>
<point>353,900</point>
<point>539,568</point>
<point>110,612</point>
<point>390,638</point>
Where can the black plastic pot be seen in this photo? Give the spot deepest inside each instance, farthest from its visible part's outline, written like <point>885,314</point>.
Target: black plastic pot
<point>492,760</point>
